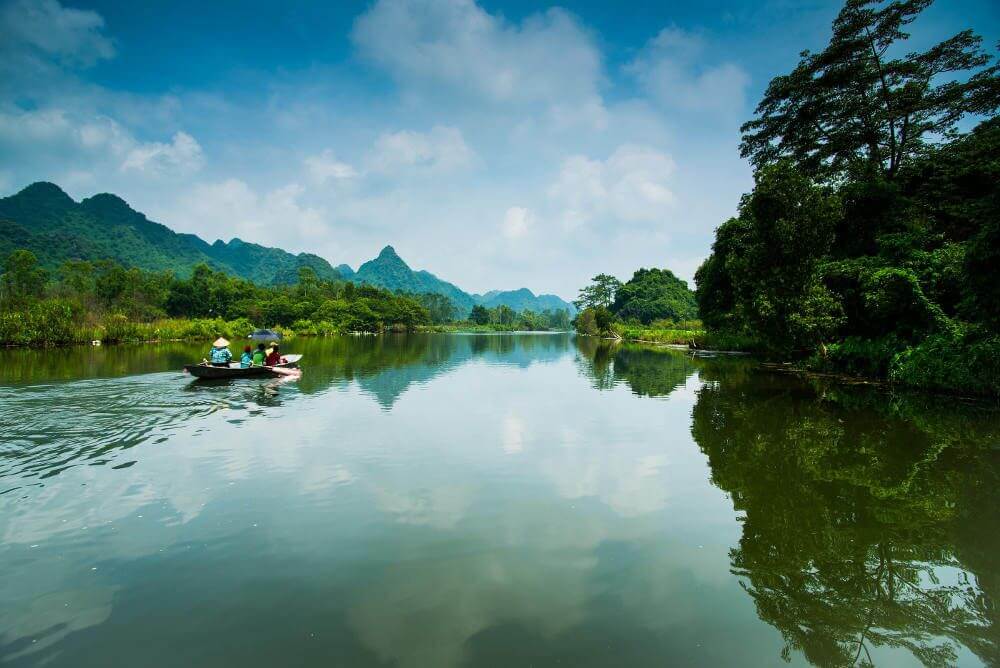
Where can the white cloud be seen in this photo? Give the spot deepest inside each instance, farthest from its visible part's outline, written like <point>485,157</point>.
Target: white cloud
<point>517,222</point>
<point>91,144</point>
<point>325,167</point>
<point>455,44</point>
<point>72,36</point>
<point>441,149</point>
<point>232,208</point>
<point>182,154</point>
<point>62,131</point>
<point>668,70</point>
<point>631,186</point>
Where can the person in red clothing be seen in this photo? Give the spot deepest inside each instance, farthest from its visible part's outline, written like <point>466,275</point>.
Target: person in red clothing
<point>274,357</point>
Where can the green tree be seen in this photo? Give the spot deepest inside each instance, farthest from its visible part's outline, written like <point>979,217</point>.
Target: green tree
<point>768,262</point>
<point>440,308</point>
<point>854,107</point>
<point>480,315</point>
<point>655,294</point>
<point>23,280</point>
<point>600,292</point>
<point>505,315</point>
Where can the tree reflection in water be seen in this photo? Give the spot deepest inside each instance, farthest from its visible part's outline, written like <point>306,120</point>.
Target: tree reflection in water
<point>868,520</point>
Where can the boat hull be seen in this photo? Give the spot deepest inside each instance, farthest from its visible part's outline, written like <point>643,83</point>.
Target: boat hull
<point>235,371</point>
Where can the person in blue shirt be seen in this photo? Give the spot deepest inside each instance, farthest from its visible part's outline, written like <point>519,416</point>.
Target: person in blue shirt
<point>220,354</point>
<point>246,360</point>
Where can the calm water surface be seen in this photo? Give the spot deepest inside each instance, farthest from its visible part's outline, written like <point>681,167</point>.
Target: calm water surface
<point>451,500</point>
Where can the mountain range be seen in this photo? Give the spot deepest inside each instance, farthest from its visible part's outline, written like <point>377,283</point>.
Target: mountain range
<point>45,220</point>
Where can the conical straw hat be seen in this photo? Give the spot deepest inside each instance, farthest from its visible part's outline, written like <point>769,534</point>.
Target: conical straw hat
<point>220,343</point>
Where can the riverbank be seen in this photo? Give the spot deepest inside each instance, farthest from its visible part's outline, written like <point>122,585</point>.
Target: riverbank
<point>56,325</point>
<point>53,327</point>
<point>961,365</point>
<point>692,336</point>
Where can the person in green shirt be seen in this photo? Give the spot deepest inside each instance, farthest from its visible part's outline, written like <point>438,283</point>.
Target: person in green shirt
<point>259,355</point>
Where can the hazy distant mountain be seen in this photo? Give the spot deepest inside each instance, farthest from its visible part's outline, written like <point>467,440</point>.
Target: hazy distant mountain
<point>522,299</point>
<point>388,270</point>
<point>45,220</point>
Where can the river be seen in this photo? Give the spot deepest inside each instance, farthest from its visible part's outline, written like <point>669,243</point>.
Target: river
<point>475,500</point>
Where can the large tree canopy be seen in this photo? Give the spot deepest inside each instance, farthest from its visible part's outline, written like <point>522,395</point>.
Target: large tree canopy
<point>863,106</point>
<point>655,294</point>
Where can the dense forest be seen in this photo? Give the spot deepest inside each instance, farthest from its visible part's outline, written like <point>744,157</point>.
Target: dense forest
<point>870,243</point>
<point>651,297</point>
<point>48,222</point>
<point>84,301</point>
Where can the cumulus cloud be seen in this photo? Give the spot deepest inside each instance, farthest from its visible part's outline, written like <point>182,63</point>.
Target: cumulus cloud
<point>182,154</point>
<point>325,167</point>
<point>441,149</point>
<point>631,186</point>
<point>90,144</point>
<point>61,131</point>
<point>72,36</point>
<point>669,70</point>
<point>231,207</point>
<point>455,44</point>
<point>517,222</point>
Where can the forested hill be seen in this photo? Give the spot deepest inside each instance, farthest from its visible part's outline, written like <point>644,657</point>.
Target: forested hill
<point>45,220</point>
<point>390,271</point>
<point>48,222</point>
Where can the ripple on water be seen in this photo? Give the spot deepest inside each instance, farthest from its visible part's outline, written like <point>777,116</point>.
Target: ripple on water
<point>50,428</point>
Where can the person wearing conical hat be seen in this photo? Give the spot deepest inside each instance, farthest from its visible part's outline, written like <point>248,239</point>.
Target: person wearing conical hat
<point>220,354</point>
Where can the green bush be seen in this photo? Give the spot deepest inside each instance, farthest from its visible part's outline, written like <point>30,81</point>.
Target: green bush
<point>44,323</point>
<point>117,328</point>
<point>951,364</point>
<point>858,356</point>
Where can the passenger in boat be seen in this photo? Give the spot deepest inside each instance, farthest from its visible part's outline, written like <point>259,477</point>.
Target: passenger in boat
<point>246,360</point>
<point>259,355</point>
<point>275,357</point>
<point>220,354</point>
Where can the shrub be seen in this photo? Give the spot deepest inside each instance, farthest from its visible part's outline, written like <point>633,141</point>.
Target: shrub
<point>951,364</point>
<point>858,356</point>
<point>118,328</point>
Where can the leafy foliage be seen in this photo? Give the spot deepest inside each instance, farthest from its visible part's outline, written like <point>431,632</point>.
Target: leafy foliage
<point>600,293</point>
<point>655,294</point>
<point>650,295</point>
<point>107,301</point>
<point>854,108</point>
<point>874,224</point>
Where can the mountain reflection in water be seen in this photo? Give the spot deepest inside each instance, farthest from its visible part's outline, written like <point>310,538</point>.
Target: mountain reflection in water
<point>488,500</point>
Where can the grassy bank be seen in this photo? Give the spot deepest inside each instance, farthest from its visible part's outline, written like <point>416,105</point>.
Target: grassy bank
<point>58,323</point>
<point>474,328</point>
<point>55,324</point>
<point>687,333</point>
<point>960,363</point>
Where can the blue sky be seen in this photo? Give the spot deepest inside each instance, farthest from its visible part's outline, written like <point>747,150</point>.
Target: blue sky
<point>499,145</point>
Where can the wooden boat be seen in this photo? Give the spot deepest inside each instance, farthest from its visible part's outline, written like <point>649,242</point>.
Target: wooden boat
<point>235,371</point>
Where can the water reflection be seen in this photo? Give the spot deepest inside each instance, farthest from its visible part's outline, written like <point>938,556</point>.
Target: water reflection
<point>869,522</point>
<point>129,394</point>
<point>647,371</point>
<point>496,500</point>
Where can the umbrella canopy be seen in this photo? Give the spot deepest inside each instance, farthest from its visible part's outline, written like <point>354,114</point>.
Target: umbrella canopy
<point>265,335</point>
